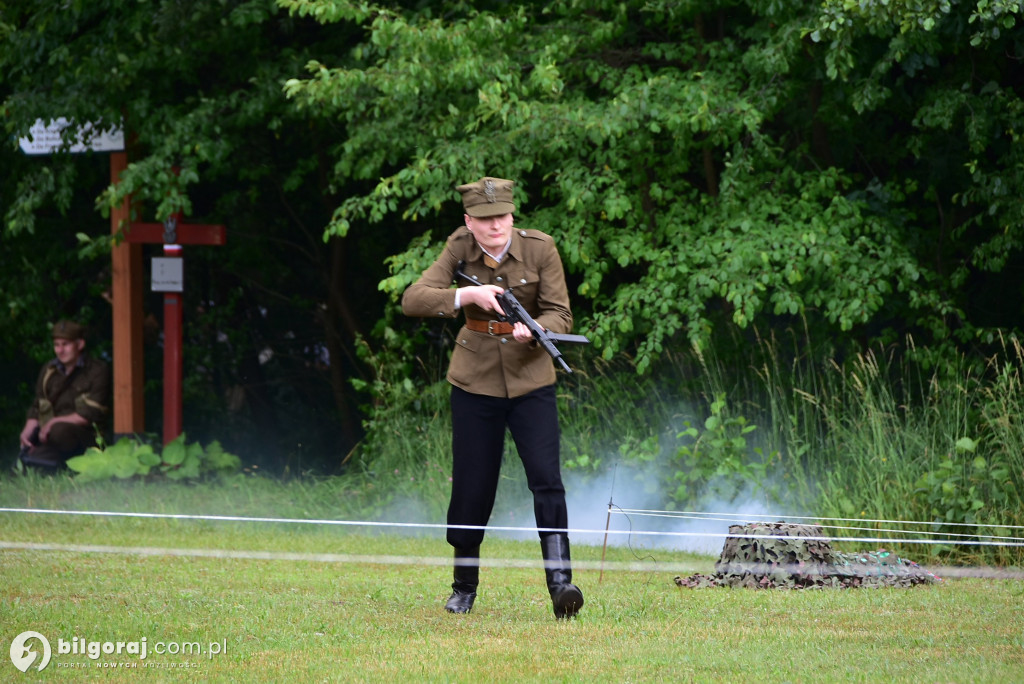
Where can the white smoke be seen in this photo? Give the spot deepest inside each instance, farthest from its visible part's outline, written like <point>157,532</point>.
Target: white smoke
<point>597,502</point>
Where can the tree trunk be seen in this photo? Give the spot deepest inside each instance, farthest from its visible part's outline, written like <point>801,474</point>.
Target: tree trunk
<point>339,326</point>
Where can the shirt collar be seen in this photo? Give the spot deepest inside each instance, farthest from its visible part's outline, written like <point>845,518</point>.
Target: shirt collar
<point>500,255</point>
<point>60,366</point>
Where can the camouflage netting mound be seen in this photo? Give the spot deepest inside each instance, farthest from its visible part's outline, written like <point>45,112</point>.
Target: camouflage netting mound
<point>802,559</point>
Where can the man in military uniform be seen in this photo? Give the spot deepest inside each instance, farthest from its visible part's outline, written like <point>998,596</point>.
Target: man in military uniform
<point>500,377</point>
<point>72,400</point>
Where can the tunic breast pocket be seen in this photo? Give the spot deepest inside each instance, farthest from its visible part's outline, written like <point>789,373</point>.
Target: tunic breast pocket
<point>524,283</point>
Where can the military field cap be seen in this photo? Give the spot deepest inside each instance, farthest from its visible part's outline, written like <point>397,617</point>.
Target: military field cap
<point>68,330</point>
<point>487,197</point>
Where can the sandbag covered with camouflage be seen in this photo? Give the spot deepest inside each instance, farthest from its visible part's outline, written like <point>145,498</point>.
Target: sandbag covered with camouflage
<point>787,556</point>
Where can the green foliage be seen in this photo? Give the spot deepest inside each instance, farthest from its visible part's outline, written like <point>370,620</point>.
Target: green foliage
<point>266,358</point>
<point>978,482</point>
<point>944,66</point>
<point>598,428</point>
<point>850,167</point>
<point>407,427</point>
<point>129,457</point>
<point>719,464</point>
<point>966,489</point>
<point>124,459</point>
<point>695,178</point>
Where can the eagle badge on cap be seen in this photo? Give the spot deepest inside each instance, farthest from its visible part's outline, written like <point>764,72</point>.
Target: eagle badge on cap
<point>487,197</point>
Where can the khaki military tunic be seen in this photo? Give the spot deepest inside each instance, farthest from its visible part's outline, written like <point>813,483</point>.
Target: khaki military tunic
<point>497,365</point>
<point>85,391</point>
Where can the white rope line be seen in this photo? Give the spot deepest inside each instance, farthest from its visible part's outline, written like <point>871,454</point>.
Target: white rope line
<point>362,559</point>
<point>375,523</point>
<point>943,572</point>
<point>776,516</point>
<point>709,518</point>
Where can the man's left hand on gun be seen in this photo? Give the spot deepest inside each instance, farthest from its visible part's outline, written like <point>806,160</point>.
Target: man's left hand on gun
<point>521,333</point>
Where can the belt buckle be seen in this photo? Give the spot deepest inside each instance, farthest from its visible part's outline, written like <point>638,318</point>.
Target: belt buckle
<point>490,327</point>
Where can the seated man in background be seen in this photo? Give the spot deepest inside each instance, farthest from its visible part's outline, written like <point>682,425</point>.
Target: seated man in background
<point>71,403</point>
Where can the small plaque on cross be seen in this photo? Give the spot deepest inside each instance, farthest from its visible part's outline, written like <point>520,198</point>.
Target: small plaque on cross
<point>168,274</point>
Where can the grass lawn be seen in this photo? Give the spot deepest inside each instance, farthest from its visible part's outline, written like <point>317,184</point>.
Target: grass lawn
<point>278,602</point>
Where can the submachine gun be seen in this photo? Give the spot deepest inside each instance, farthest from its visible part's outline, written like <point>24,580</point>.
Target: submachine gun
<point>516,313</point>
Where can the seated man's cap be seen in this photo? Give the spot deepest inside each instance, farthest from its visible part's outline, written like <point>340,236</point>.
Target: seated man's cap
<point>68,330</point>
<point>487,197</point>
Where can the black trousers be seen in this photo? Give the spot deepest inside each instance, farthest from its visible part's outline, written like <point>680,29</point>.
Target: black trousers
<point>478,441</point>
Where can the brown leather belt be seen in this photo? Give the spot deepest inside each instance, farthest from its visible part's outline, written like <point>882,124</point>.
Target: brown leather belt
<point>489,327</point>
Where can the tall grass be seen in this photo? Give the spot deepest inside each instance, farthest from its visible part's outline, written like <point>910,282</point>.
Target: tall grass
<point>885,434</point>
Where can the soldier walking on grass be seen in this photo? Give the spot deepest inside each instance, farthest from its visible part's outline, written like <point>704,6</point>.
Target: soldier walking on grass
<point>500,378</point>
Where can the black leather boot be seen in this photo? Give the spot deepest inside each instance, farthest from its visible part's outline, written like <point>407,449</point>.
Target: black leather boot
<point>566,597</point>
<point>467,576</point>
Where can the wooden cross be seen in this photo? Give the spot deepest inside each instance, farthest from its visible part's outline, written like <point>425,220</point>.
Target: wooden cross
<point>173,234</point>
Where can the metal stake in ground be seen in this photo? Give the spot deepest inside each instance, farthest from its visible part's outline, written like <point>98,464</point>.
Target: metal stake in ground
<point>607,522</point>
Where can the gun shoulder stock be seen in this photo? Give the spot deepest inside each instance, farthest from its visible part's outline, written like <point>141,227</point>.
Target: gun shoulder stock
<point>569,339</point>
